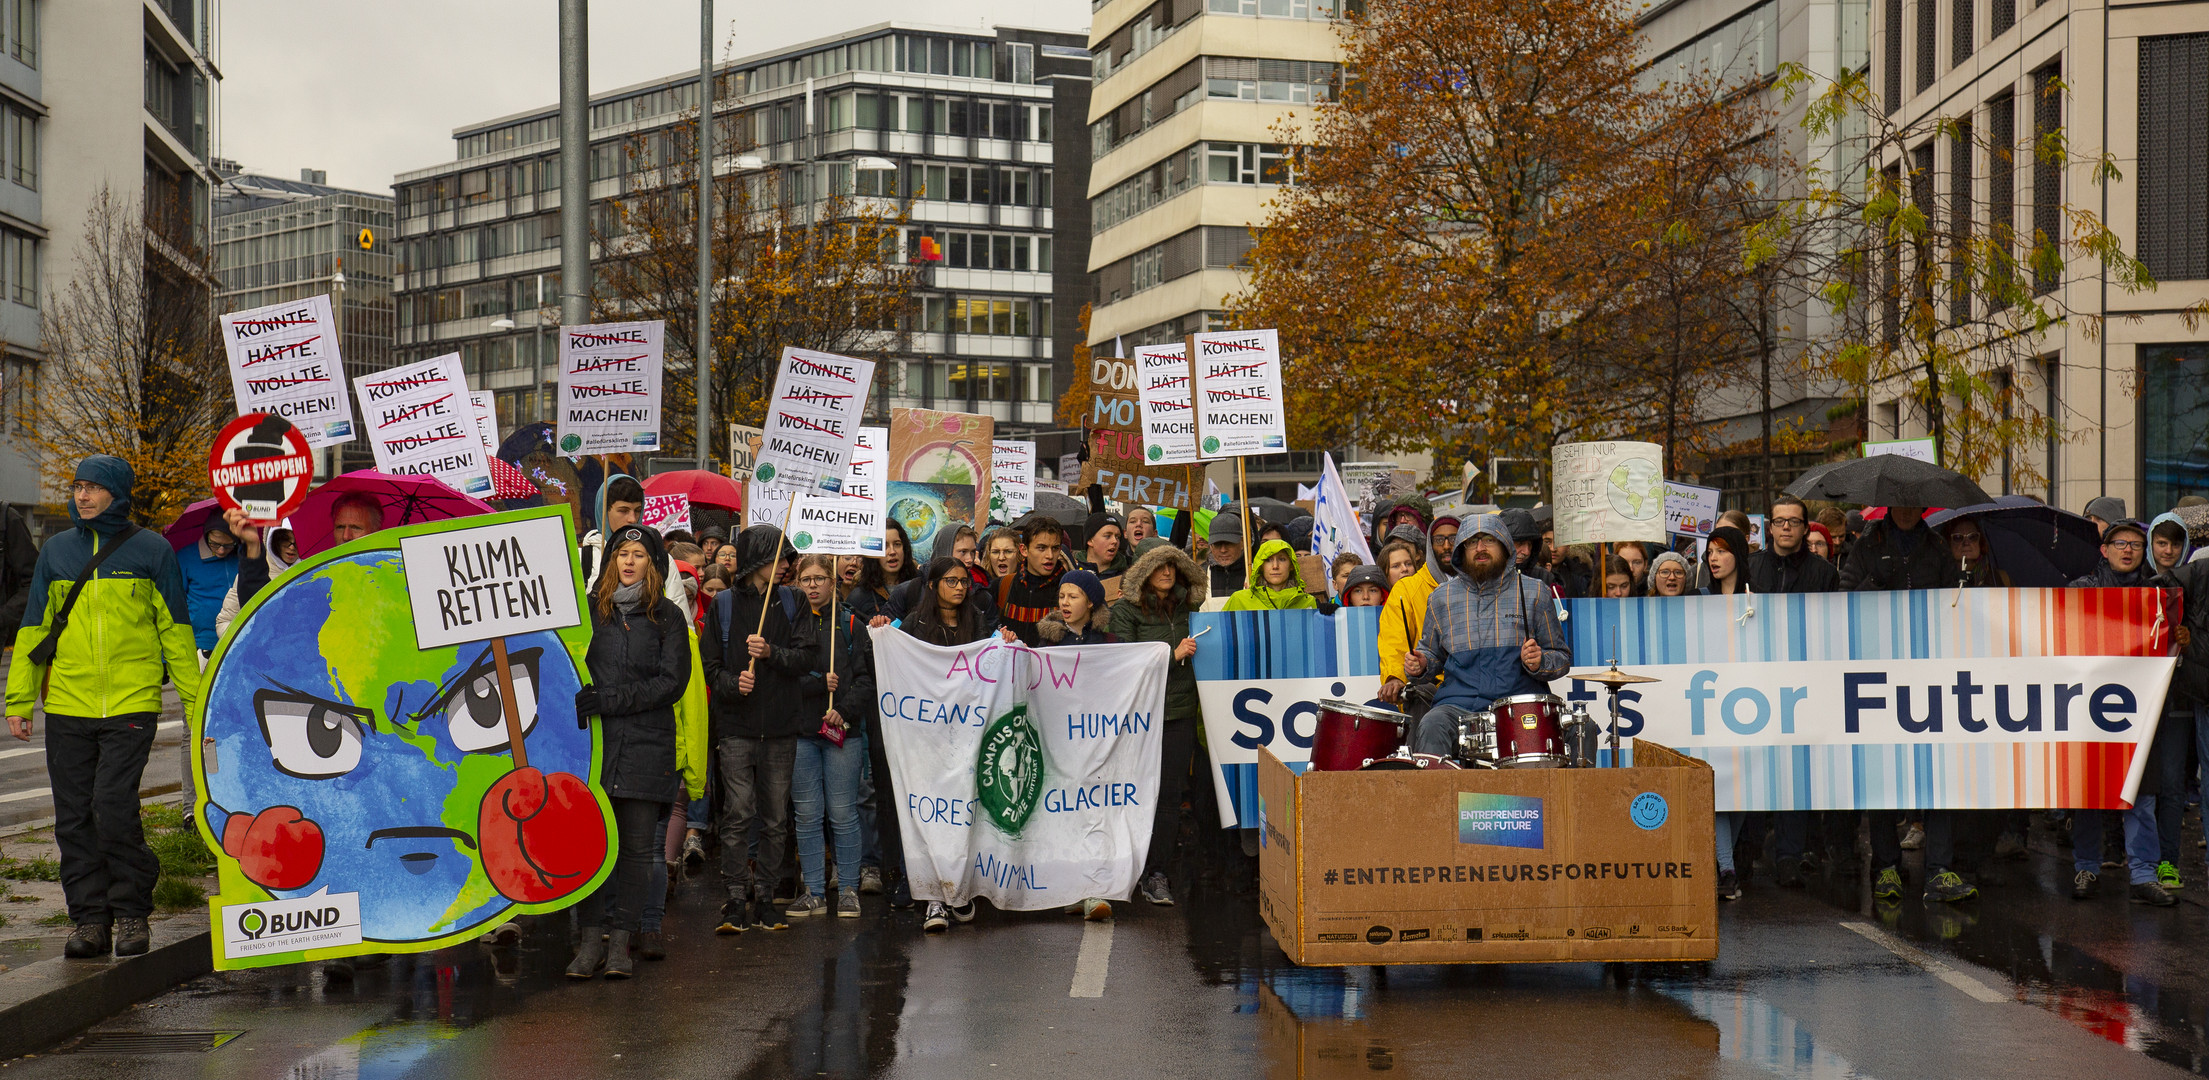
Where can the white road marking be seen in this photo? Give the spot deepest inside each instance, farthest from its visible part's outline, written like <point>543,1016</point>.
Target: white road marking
<point>1977,990</point>
<point>37,793</point>
<point>1095,958</point>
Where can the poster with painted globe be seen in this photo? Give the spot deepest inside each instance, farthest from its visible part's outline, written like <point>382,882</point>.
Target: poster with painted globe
<point>1608,492</point>
<point>364,792</point>
<point>939,452</point>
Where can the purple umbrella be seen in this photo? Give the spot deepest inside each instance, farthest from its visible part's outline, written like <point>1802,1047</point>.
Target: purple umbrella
<point>406,500</point>
<point>190,525</point>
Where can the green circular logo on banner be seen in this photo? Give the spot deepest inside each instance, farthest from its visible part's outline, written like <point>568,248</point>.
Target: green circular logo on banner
<point>571,443</point>
<point>1211,444</point>
<point>1157,452</point>
<point>802,540</point>
<point>1008,776</point>
<point>764,473</point>
<point>252,923</point>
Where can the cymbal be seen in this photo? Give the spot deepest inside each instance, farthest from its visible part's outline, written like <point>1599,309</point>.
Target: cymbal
<point>1614,678</point>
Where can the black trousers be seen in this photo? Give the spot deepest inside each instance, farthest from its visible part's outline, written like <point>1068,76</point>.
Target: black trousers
<point>94,765</point>
<point>1177,747</point>
<point>618,903</point>
<point>889,842</point>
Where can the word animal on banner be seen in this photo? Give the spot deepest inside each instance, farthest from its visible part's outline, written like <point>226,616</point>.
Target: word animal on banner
<point>420,422</point>
<point>1026,777</point>
<point>354,797</point>
<point>812,418</point>
<point>1260,679</point>
<point>609,396</point>
<point>284,361</point>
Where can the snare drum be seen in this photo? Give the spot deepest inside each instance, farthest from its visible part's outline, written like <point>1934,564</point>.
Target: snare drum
<point>1350,735</point>
<point>1530,732</point>
<point>1413,761</point>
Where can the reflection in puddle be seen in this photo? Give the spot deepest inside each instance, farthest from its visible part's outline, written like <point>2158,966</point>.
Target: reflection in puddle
<point>1753,1032</point>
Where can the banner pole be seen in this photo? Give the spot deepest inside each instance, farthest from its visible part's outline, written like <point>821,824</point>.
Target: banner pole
<point>1242,496</point>
<point>506,700</point>
<point>774,568</point>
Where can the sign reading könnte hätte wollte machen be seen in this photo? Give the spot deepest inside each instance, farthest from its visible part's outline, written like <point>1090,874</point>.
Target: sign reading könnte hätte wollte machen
<point>284,362</point>
<point>812,419</point>
<point>610,387</point>
<point>494,581</point>
<point>421,423</point>
<point>1235,380</point>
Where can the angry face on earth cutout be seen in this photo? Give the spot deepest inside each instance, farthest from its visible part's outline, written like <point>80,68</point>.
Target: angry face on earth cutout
<point>338,758</point>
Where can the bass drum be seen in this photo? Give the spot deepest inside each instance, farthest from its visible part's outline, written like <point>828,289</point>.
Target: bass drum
<point>1413,761</point>
<point>1350,735</point>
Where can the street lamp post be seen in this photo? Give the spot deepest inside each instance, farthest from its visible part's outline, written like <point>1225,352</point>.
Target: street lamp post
<point>702,363</point>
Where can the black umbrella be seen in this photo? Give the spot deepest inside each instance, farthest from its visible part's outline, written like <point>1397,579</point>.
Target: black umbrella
<point>2038,545</point>
<point>1274,510</point>
<point>1065,509</point>
<point>1888,480</point>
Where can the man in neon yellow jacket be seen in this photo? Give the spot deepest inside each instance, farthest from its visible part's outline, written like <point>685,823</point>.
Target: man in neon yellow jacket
<point>102,692</point>
<point>1405,613</point>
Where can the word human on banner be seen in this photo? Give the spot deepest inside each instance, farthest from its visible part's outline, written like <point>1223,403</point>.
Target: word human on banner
<point>1608,492</point>
<point>1026,778</point>
<point>666,513</point>
<point>421,424</point>
<point>851,522</point>
<point>1011,478</point>
<point>284,361</point>
<point>811,420</point>
<point>1690,510</point>
<point>1236,385</point>
<point>609,396</point>
<point>1168,409</point>
<point>1979,699</point>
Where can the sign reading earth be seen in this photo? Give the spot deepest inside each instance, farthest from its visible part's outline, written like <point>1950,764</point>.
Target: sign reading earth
<point>1636,489</point>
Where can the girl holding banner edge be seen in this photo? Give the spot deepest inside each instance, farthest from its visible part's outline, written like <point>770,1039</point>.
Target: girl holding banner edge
<point>825,777</point>
<point>1169,587</point>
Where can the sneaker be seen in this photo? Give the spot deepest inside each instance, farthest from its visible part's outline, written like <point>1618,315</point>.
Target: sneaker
<point>1790,874</point>
<point>1915,838</point>
<point>2151,894</point>
<point>694,849</point>
<point>938,918</point>
<point>870,881</point>
<point>2082,884</point>
<point>964,912</point>
<point>1888,886</point>
<point>87,941</point>
<point>1947,887</point>
<point>736,917</point>
<point>1154,889</point>
<point>767,916</point>
<point>847,903</point>
<point>2009,845</point>
<point>806,905</point>
<point>2166,875</point>
<point>1729,885</point>
<point>1810,862</point>
<point>1096,910</point>
<point>132,937</point>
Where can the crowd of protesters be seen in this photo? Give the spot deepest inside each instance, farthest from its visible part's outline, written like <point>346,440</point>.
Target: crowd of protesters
<point>783,792</point>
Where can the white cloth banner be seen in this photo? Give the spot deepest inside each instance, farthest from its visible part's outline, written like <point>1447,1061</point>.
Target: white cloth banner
<point>284,361</point>
<point>1026,777</point>
<point>610,387</point>
<point>420,423</point>
<point>1335,525</point>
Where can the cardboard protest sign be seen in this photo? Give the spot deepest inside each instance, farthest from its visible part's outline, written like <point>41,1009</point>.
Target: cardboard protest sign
<point>942,448</point>
<point>1168,410</point>
<point>743,450</point>
<point>260,464</point>
<point>666,513</point>
<point>1236,385</point>
<point>363,791</point>
<point>851,522</point>
<point>1607,492</point>
<point>1116,462</point>
<point>1690,510</point>
<point>420,423</point>
<point>284,361</point>
<point>609,396</point>
<point>1027,777</point>
<point>811,420</point>
<point>1011,478</point>
<point>928,511</point>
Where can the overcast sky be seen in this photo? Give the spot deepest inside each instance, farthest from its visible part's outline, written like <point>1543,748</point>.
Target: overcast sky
<point>370,90</point>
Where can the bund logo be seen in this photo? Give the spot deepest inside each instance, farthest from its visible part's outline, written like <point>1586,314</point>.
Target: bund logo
<point>252,923</point>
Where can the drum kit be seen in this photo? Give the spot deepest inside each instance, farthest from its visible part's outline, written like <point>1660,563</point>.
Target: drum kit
<point>1524,731</point>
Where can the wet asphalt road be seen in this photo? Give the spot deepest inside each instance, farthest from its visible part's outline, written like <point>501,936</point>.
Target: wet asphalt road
<point>2022,983</point>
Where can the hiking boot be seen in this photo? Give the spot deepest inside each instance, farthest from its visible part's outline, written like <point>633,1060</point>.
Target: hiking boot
<point>1154,889</point>
<point>1915,838</point>
<point>2151,894</point>
<point>1729,885</point>
<point>590,956</point>
<point>766,916</point>
<point>1096,910</point>
<point>847,903</point>
<point>870,880</point>
<point>619,964</point>
<point>132,937</point>
<point>736,918</point>
<point>88,941</point>
<point>1888,886</point>
<point>964,913</point>
<point>806,905</point>
<point>2082,884</point>
<point>1947,887</point>
<point>1790,874</point>
<point>2166,875</point>
<point>652,945</point>
<point>938,918</point>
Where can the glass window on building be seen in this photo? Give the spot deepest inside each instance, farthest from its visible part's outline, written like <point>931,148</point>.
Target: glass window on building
<point>23,31</point>
<point>2175,445</point>
<point>19,253</point>
<point>22,147</point>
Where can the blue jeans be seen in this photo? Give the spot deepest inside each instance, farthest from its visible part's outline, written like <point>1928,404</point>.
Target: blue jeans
<point>2141,847</point>
<point>827,777</point>
<point>1729,829</point>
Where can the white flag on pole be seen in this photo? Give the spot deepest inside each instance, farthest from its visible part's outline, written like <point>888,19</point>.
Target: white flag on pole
<point>1335,527</point>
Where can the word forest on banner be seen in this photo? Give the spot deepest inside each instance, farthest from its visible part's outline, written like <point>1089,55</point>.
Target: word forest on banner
<point>1169,412</point>
<point>1237,390</point>
<point>1608,492</point>
<point>1011,478</point>
<point>284,361</point>
<point>1026,777</point>
<point>420,423</point>
<point>1975,699</point>
<point>811,421</point>
<point>1116,455</point>
<point>853,521</point>
<point>610,387</point>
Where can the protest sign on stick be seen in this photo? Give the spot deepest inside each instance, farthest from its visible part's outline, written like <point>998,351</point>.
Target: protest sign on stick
<point>1236,387</point>
<point>1690,510</point>
<point>743,450</point>
<point>812,418</point>
<point>1608,492</point>
<point>851,522</point>
<point>284,361</point>
<point>1011,478</point>
<point>609,396</point>
<point>933,455</point>
<point>1115,439</point>
<point>666,513</point>
<point>421,424</point>
<point>260,464</point>
<point>486,413</point>
<point>1168,410</point>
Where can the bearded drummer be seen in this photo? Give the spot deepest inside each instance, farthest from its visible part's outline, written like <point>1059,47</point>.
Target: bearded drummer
<point>1491,631</point>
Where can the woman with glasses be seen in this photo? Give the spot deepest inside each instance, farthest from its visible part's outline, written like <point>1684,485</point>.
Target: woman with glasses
<point>1668,575</point>
<point>1967,544</point>
<point>824,782</point>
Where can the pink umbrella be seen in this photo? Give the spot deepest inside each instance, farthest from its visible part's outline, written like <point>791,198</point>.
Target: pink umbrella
<point>406,500</point>
<point>192,524</point>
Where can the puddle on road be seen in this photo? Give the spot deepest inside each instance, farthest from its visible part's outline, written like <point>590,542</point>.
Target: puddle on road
<point>1753,1032</point>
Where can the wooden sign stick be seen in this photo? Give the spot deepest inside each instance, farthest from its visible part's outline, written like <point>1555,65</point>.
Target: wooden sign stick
<point>774,570</point>
<point>506,699</point>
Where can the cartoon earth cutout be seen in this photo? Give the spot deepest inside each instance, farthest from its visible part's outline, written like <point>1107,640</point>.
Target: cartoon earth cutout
<point>343,758</point>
